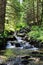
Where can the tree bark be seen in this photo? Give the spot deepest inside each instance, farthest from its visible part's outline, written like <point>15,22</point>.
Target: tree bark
<point>2,14</point>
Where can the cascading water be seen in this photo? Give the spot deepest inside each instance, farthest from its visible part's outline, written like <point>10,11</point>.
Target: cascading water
<point>21,44</point>
<point>9,45</point>
<point>19,39</point>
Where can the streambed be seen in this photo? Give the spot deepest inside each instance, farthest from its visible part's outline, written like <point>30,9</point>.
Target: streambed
<point>21,52</point>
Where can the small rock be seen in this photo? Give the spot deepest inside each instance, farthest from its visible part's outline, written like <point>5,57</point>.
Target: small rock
<point>2,59</point>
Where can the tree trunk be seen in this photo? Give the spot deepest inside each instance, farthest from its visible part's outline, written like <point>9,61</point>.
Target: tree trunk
<point>2,14</point>
<point>42,12</point>
<point>38,12</point>
<point>33,13</point>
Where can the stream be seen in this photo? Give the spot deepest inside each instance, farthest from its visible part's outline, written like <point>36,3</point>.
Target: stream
<point>21,44</point>
<point>21,52</point>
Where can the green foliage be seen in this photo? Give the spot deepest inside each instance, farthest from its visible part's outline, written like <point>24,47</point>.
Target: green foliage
<point>8,53</point>
<point>17,13</point>
<point>40,38</point>
<point>34,28</point>
<point>20,15</point>
<point>41,35</point>
<point>10,26</point>
<point>20,25</point>
<point>12,14</point>
<point>36,33</point>
<point>5,34</point>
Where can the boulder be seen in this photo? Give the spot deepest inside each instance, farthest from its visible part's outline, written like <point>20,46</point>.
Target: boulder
<point>25,57</point>
<point>35,52</point>
<point>17,45</point>
<point>25,61</point>
<point>36,60</point>
<point>21,34</point>
<point>10,38</point>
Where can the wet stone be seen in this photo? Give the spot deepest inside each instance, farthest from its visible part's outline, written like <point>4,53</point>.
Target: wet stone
<point>21,34</point>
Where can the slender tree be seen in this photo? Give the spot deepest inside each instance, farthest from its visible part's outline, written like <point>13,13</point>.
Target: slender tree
<point>42,12</point>
<point>33,12</point>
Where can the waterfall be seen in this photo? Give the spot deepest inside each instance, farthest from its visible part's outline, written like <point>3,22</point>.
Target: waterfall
<point>9,45</point>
